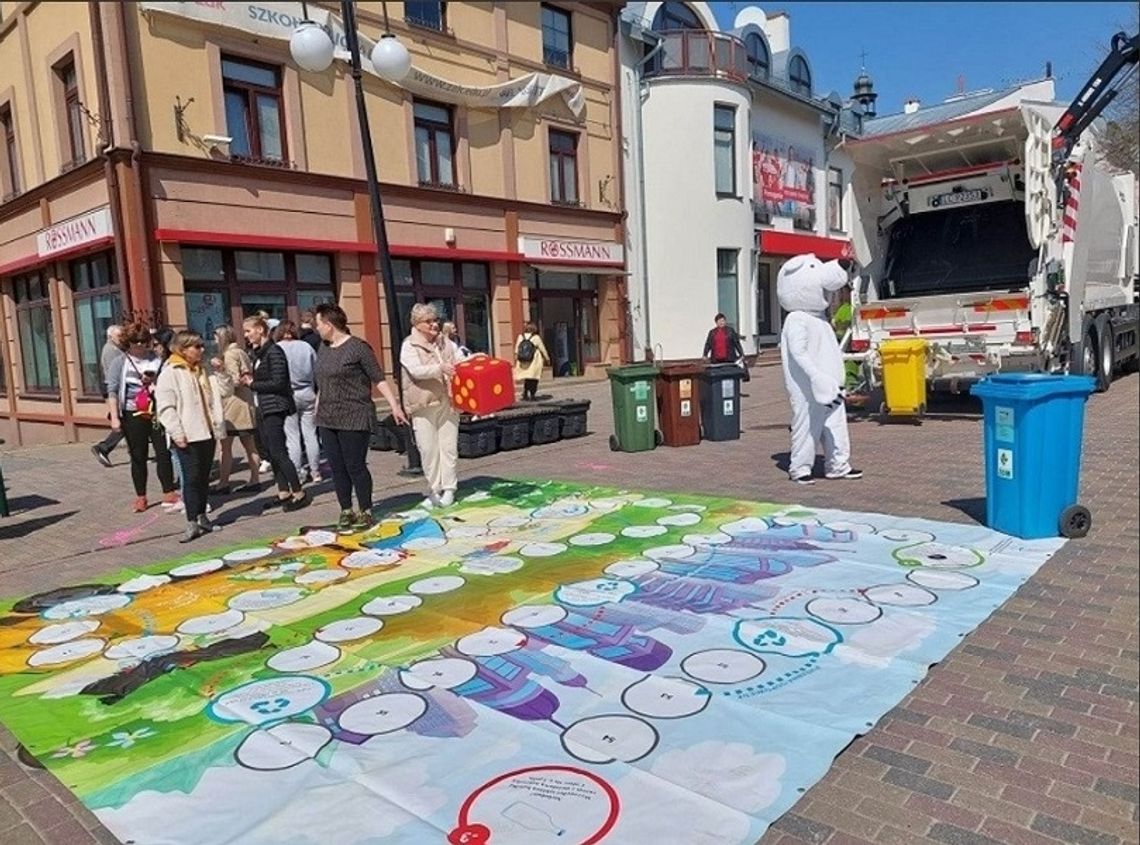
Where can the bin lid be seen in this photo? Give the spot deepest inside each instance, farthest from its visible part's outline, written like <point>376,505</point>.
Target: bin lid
<point>680,369</point>
<point>631,372</point>
<point>903,345</point>
<point>723,371</point>
<point>1032,386</point>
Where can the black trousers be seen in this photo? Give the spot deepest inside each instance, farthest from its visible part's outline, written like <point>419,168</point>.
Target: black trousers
<point>347,452</point>
<point>141,434</point>
<point>271,430</point>
<point>196,460</point>
<point>530,388</point>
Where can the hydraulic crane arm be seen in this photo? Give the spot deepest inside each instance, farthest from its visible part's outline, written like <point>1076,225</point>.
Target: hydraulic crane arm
<point>1095,96</point>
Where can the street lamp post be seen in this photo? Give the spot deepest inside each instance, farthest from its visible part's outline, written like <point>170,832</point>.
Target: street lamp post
<point>312,49</point>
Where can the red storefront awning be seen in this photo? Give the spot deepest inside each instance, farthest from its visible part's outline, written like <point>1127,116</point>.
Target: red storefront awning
<point>793,243</point>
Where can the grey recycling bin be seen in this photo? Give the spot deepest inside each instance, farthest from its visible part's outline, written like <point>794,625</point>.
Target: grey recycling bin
<point>720,401</point>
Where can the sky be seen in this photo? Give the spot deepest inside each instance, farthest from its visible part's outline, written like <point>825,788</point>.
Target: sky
<point>923,49</point>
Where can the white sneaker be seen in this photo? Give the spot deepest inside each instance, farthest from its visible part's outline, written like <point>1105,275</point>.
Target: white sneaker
<point>174,507</point>
<point>430,503</point>
<point>447,498</point>
<point>265,467</point>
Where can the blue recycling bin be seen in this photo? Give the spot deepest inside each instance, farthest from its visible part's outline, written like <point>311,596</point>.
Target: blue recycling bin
<point>1033,430</point>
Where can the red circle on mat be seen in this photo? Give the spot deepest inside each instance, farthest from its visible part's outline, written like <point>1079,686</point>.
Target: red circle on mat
<point>466,833</point>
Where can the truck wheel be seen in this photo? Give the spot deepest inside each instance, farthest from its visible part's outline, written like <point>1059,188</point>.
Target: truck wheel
<point>1075,522</point>
<point>1090,354</point>
<point>1107,357</point>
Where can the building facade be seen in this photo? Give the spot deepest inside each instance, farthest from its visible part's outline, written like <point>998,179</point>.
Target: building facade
<point>732,167</point>
<point>168,161</point>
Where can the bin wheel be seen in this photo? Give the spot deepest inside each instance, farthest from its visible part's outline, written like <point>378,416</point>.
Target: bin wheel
<point>613,443</point>
<point>658,437</point>
<point>1075,522</point>
<point>883,409</point>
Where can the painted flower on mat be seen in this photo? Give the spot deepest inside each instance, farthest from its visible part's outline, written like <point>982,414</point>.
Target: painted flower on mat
<point>80,749</point>
<point>125,739</point>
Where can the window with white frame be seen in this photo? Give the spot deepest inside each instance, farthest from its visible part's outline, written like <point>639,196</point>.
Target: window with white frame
<point>728,284</point>
<point>724,149</point>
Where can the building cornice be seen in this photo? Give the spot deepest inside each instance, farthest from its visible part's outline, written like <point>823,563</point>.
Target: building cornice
<point>390,190</point>
<point>89,171</point>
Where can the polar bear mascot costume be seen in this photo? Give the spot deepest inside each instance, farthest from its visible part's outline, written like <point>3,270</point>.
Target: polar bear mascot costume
<point>813,367</point>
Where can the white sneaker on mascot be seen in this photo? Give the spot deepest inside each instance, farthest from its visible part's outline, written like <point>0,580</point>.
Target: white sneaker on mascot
<point>813,367</point>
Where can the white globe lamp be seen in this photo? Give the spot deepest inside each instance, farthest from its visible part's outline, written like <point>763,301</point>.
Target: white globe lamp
<point>390,58</point>
<point>311,47</point>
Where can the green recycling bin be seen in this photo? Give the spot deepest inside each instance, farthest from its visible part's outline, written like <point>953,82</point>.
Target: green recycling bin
<point>635,408</point>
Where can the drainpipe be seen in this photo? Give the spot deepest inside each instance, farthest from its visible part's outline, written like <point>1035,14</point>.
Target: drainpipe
<point>640,145</point>
<point>107,142</point>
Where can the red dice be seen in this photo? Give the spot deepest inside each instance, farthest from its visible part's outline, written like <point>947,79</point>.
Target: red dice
<point>482,385</point>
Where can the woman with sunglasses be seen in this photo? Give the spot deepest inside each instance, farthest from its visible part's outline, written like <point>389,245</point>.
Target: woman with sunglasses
<point>191,412</point>
<point>130,392</point>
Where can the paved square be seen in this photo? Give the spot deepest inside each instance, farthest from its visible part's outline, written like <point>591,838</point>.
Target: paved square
<point>1027,732</point>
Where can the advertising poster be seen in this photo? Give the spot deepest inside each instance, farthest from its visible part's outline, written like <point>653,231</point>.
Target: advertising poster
<point>783,178</point>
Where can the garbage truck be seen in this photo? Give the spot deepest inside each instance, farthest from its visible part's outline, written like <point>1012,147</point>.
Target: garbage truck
<point>990,227</point>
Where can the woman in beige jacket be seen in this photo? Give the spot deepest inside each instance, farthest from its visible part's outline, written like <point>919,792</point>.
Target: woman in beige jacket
<point>237,401</point>
<point>191,413</point>
<point>530,357</point>
<point>428,365</point>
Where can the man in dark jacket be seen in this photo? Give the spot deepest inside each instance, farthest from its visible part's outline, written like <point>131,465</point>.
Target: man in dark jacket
<point>308,333</point>
<point>111,358</point>
<point>273,394</point>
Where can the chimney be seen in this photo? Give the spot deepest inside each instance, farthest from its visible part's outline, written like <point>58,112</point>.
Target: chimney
<point>1048,70</point>
<point>912,105</point>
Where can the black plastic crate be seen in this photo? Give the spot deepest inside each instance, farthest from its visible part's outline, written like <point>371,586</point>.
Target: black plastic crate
<point>477,437</point>
<point>572,414</point>
<point>545,426</point>
<point>514,430</point>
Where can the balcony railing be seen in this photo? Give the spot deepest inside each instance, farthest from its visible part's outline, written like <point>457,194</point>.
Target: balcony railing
<point>695,52</point>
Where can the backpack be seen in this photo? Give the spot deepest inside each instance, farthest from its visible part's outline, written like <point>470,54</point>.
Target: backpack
<point>526,350</point>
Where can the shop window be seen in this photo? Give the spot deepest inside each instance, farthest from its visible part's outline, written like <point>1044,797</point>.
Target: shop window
<point>758,60</point>
<point>10,173</point>
<point>460,292</point>
<point>799,76</point>
<point>563,168</point>
<point>728,285</point>
<point>557,40</point>
<point>724,149</point>
<point>97,305</point>
<point>430,15</point>
<point>73,116</point>
<point>225,286</point>
<point>37,340</point>
<point>254,118</point>
<point>835,199</point>
<point>435,145</point>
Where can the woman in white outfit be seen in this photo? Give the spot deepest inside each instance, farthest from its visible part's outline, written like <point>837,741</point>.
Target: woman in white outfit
<point>301,427</point>
<point>428,365</point>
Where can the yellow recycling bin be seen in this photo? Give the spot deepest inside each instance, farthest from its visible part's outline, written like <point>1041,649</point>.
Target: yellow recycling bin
<point>904,377</point>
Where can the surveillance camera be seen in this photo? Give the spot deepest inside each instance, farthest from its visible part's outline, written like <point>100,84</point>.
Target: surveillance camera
<point>217,140</point>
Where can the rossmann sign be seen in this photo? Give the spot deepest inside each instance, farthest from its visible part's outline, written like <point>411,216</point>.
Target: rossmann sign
<point>90,228</point>
<point>572,252</point>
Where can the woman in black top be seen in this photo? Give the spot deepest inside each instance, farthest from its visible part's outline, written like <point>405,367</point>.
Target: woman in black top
<point>273,391</point>
<point>345,373</point>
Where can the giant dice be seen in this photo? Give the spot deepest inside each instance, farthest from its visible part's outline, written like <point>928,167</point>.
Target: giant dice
<point>482,385</point>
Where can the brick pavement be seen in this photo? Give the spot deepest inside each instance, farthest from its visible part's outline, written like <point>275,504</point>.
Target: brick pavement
<point>1027,733</point>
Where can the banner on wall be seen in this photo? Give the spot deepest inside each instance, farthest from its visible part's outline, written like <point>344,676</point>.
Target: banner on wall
<point>279,20</point>
<point>783,179</point>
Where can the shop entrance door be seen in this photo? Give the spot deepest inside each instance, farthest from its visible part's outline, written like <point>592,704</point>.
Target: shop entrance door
<point>561,330</point>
